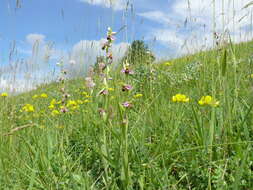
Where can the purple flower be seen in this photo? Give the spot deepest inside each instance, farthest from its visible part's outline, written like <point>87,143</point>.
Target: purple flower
<point>103,92</point>
<point>89,82</point>
<point>101,112</point>
<point>110,38</point>
<point>109,56</point>
<point>127,71</point>
<point>61,79</point>
<point>64,110</point>
<point>101,66</point>
<point>127,105</point>
<point>126,87</point>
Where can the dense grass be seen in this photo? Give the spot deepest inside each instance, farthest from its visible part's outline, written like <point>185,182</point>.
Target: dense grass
<point>155,144</point>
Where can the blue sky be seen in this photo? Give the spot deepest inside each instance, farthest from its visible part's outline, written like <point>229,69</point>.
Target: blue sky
<point>66,22</point>
<point>44,32</point>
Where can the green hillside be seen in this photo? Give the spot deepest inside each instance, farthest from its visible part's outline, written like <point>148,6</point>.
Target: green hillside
<point>182,124</point>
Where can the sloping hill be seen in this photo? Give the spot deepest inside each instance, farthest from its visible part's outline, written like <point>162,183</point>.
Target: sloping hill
<point>182,124</point>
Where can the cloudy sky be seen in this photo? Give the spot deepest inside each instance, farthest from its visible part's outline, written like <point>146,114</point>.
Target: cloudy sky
<point>35,35</point>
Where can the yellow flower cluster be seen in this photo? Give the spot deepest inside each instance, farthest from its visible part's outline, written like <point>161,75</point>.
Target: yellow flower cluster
<point>80,102</point>
<point>86,95</point>
<point>55,113</point>
<point>208,100</point>
<point>43,95</point>
<point>180,98</point>
<point>72,104</point>
<point>4,94</point>
<point>205,100</point>
<point>53,103</point>
<point>28,108</point>
<point>168,63</point>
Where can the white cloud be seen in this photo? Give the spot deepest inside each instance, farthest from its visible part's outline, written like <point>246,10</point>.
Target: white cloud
<point>42,56</point>
<point>167,36</point>
<point>90,49</point>
<point>157,16</point>
<point>35,68</point>
<point>85,52</point>
<point>115,4</point>
<point>40,50</point>
<point>181,43</point>
<point>35,38</point>
<point>189,23</point>
<point>201,12</point>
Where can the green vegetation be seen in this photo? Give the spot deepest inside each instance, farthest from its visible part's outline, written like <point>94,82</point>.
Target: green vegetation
<point>182,124</point>
<point>139,54</point>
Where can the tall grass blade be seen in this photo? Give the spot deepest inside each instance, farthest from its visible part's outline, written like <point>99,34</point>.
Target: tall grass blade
<point>224,62</point>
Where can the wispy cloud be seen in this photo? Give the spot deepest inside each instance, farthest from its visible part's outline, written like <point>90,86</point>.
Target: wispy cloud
<point>35,38</point>
<point>85,52</point>
<point>115,4</point>
<point>31,66</point>
<point>189,24</point>
<point>41,59</point>
<point>157,16</point>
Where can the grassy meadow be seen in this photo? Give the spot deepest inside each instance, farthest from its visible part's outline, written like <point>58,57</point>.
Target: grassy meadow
<point>179,124</point>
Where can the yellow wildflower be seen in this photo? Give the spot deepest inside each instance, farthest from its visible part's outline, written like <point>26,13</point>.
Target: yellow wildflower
<point>35,96</point>
<point>180,98</point>
<point>79,101</point>
<point>43,95</point>
<point>168,63</point>
<point>71,103</point>
<point>110,89</point>
<point>53,102</point>
<point>51,106</point>
<point>138,95</point>
<point>55,112</point>
<point>74,107</point>
<point>86,95</point>
<point>4,94</point>
<point>28,108</point>
<point>86,101</point>
<point>208,100</point>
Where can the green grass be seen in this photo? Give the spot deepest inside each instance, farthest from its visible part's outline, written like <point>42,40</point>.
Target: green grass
<point>156,144</point>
